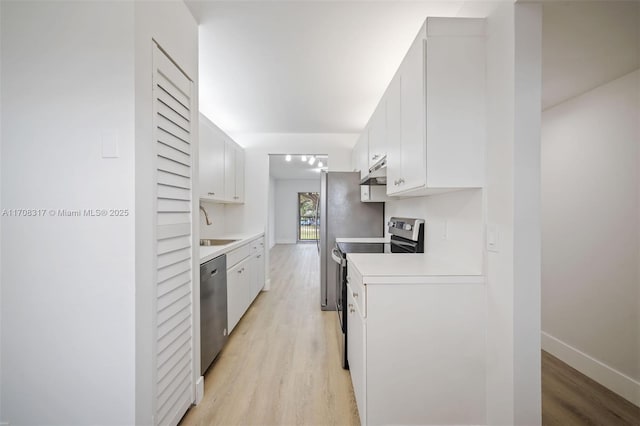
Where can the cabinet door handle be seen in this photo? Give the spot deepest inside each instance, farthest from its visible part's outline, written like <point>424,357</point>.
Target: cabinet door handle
<point>214,272</point>
<point>355,295</point>
<point>352,310</point>
<point>211,193</point>
<point>375,157</point>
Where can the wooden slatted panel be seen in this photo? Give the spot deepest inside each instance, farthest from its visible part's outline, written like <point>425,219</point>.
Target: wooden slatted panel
<point>173,192</point>
<point>173,244</point>
<point>174,142</point>
<point>174,385</point>
<point>169,179</point>
<point>173,283</point>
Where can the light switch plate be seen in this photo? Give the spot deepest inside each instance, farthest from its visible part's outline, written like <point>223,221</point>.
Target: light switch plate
<point>493,239</point>
<point>110,148</point>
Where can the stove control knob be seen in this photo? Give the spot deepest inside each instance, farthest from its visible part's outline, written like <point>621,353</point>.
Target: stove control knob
<point>407,227</point>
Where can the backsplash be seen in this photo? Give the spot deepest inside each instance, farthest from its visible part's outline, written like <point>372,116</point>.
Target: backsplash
<point>453,224</point>
<point>216,215</point>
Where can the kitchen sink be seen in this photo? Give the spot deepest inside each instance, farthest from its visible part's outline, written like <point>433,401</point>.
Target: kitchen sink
<point>215,242</point>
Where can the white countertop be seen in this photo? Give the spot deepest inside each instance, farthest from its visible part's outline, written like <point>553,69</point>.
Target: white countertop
<point>209,252</point>
<point>363,240</point>
<point>403,268</point>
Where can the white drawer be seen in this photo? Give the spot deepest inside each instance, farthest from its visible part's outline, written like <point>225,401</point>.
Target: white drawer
<point>236,255</point>
<point>257,246</point>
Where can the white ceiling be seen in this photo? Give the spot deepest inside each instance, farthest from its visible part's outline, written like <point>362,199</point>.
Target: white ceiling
<point>321,66</point>
<point>302,66</point>
<point>586,44</point>
<point>280,168</point>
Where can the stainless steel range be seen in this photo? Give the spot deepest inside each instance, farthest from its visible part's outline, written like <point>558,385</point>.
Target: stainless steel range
<point>407,236</point>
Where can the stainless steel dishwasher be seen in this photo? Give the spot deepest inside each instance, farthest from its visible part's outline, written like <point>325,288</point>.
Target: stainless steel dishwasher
<point>213,309</point>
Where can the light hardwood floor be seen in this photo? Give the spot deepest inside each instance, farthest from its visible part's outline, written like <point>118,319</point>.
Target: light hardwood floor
<point>571,398</point>
<point>281,364</point>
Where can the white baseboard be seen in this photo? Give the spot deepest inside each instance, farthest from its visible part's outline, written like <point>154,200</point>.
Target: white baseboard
<point>199,390</point>
<point>623,385</point>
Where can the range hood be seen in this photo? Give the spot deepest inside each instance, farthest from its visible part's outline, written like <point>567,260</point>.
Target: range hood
<point>377,173</point>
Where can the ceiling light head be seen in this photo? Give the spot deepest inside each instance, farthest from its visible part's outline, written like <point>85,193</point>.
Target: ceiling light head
<point>288,157</point>
<point>312,160</point>
<point>320,164</point>
<point>304,158</point>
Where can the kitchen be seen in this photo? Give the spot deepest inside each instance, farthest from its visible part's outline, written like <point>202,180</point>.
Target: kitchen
<point>496,227</point>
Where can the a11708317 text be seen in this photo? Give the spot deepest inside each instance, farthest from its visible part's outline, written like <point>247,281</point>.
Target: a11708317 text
<point>65,213</point>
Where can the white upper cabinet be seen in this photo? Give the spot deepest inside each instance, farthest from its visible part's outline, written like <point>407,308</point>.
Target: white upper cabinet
<point>360,154</point>
<point>412,123</point>
<point>435,111</point>
<point>212,143</point>
<point>239,163</point>
<point>233,172</point>
<point>394,123</point>
<point>378,133</point>
<point>221,165</point>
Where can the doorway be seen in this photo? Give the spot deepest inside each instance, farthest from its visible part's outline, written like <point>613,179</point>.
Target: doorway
<point>308,224</point>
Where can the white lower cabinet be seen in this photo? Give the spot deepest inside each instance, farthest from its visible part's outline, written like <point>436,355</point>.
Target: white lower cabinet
<point>245,279</point>
<point>356,354</point>
<point>417,351</point>
<point>238,288</point>
<point>258,282</point>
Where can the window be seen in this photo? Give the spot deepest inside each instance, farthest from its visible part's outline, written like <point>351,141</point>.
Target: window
<point>308,224</point>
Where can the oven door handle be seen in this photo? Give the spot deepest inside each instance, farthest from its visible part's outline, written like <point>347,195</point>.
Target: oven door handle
<point>335,255</point>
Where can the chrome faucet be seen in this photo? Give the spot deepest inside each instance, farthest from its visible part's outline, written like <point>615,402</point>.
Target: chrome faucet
<point>206,216</point>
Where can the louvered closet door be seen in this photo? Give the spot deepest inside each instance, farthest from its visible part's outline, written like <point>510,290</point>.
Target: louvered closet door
<point>174,331</point>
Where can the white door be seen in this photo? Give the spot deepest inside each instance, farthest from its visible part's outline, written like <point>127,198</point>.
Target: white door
<point>356,354</point>
<point>378,133</point>
<point>172,122</point>
<point>238,280</point>
<point>239,174</point>
<point>413,118</point>
<point>394,136</point>
<point>211,161</point>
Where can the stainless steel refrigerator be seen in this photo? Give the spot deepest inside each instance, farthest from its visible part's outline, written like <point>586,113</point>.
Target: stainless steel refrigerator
<point>342,215</point>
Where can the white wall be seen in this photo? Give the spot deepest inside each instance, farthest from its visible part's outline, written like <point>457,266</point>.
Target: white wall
<point>286,207</point>
<point>453,224</point>
<point>1,412</point>
<point>68,283</point>
<point>217,217</point>
<point>591,233</point>
<point>511,209</point>
<point>74,349</point>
